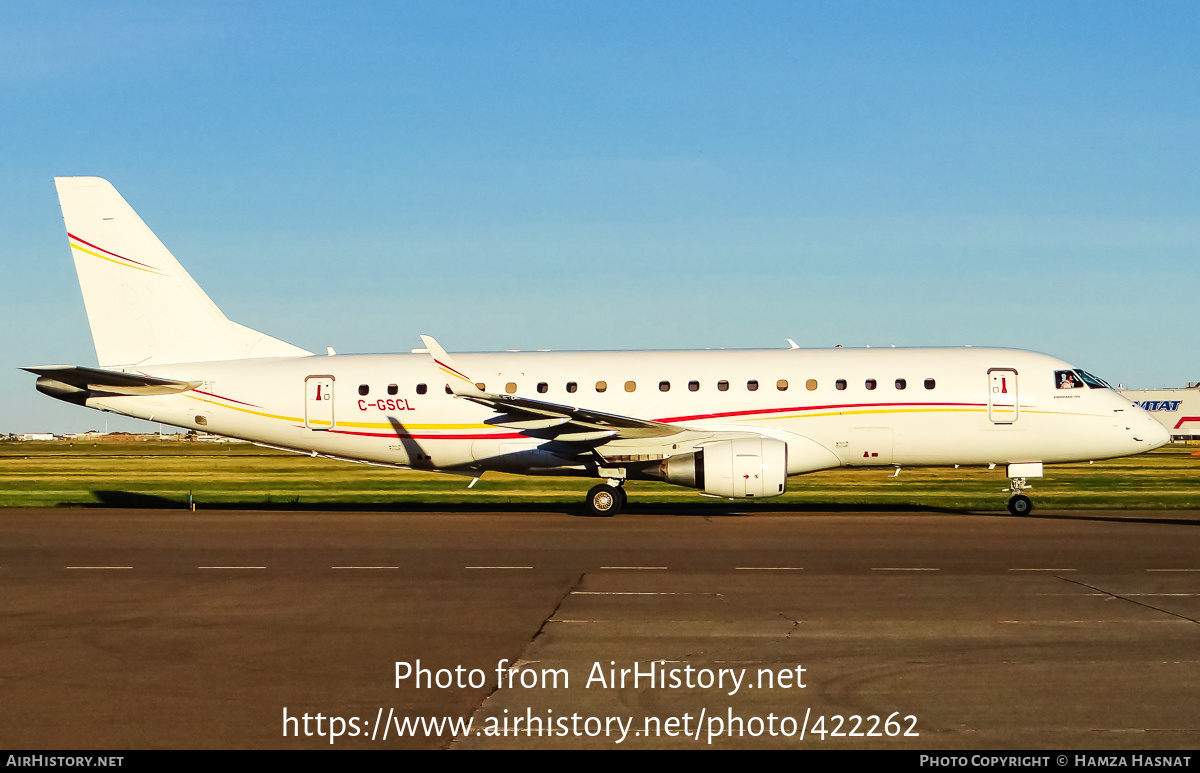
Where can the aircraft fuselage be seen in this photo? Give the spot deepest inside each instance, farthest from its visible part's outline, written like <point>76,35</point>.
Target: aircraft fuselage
<point>858,406</point>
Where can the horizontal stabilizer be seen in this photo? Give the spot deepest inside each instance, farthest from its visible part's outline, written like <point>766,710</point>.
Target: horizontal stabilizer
<point>110,381</point>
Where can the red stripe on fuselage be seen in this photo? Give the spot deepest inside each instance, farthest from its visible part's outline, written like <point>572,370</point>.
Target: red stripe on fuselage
<point>230,399</point>
<point>728,414</point>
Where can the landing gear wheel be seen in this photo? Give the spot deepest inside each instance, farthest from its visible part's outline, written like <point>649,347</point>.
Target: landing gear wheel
<point>1020,505</point>
<point>605,500</point>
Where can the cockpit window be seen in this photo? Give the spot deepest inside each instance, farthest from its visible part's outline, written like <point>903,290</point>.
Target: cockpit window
<point>1066,379</point>
<point>1078,379</point>
<point>1093,381</point>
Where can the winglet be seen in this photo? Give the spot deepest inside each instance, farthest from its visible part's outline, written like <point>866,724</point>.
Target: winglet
<point>461,383</point>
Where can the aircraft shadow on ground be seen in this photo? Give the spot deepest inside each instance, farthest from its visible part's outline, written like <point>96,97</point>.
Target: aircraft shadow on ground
<point>1108,515</point>
<point>703,509</point>
<point>133,500</point>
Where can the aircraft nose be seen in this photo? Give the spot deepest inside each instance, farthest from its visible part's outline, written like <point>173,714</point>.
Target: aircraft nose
<point>1156,434</point>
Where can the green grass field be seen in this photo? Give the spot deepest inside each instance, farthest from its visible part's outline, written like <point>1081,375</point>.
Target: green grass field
<point>239,475</point>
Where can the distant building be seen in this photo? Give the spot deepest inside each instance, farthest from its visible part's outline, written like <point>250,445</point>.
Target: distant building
<point>205,437</point>
<point>1176,409</point>
<point>95,436</point>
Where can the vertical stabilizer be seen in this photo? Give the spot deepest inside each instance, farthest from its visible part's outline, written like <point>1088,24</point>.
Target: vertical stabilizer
<point>142,306</point>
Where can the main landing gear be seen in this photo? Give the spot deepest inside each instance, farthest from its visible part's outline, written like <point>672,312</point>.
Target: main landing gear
<point>606,499</point>
<point>1019,504</point>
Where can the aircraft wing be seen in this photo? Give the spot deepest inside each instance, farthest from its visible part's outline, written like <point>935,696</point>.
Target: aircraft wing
<point>537,418</point>
<point>541,419</point>
<point>111,381</point>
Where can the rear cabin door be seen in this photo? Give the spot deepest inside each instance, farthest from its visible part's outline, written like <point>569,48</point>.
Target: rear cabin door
<point>1003,407</point>
<point>318,402</point>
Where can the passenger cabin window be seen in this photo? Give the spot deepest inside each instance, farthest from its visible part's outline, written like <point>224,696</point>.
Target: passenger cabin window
<point>572,386</point>
<point>840,383</point>
<point>422,389</point>
<point>601,386</point>
<point>781,385</point>
<point>901,383</point>
<point>510,387</point>
<point>870,383</point>
<point>811,384</point>
<point>693,386</point>
<point>930,383</point>
<point>543,388</point>
<point>393,389</point>
<point>363,389</point>
<point>630,386</point>
<point>722,386</point>
<point>664,386</point>
<point>752,386</point>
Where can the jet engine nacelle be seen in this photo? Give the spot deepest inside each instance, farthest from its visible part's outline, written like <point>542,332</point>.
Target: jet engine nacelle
<point>740,467</point>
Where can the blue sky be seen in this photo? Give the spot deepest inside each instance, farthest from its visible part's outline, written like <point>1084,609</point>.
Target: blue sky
<point>620,175</point>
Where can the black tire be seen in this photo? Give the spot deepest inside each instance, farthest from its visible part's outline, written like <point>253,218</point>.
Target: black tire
<point>605,500</point>
<point>1020,505</point>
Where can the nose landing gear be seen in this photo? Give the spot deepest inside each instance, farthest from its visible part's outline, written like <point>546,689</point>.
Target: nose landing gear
<point>1019,504</point>
<point>1017,472</point>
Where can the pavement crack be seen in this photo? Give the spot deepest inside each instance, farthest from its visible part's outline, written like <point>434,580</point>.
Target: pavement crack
<point>518,661</point>
<point>795,624</point>
<point>1126,598</point>
<point>558,606</point>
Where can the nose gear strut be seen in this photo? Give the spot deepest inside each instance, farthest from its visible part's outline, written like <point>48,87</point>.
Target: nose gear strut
<point>1019,504</point>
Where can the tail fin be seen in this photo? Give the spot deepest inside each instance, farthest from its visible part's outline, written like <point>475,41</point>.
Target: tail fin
<point>142,306</point>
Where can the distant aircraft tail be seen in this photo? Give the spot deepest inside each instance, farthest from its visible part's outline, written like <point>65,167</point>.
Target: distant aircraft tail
<point>142,306</point>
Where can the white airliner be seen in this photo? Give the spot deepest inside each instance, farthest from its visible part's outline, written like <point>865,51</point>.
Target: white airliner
<point>728,423</point>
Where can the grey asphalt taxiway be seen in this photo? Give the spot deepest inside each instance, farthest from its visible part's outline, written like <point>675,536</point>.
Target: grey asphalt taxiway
<point>680,628</point>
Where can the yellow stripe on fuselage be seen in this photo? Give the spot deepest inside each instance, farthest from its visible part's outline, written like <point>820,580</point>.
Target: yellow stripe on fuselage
<point>776,416</point>
<point>356,424</point>
<point>1002,409</point>
<point>770,417</point>
<point>247,410</point>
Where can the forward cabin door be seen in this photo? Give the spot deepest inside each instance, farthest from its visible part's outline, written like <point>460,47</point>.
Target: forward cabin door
<point>1003,407</point>
<point>318,402</point>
